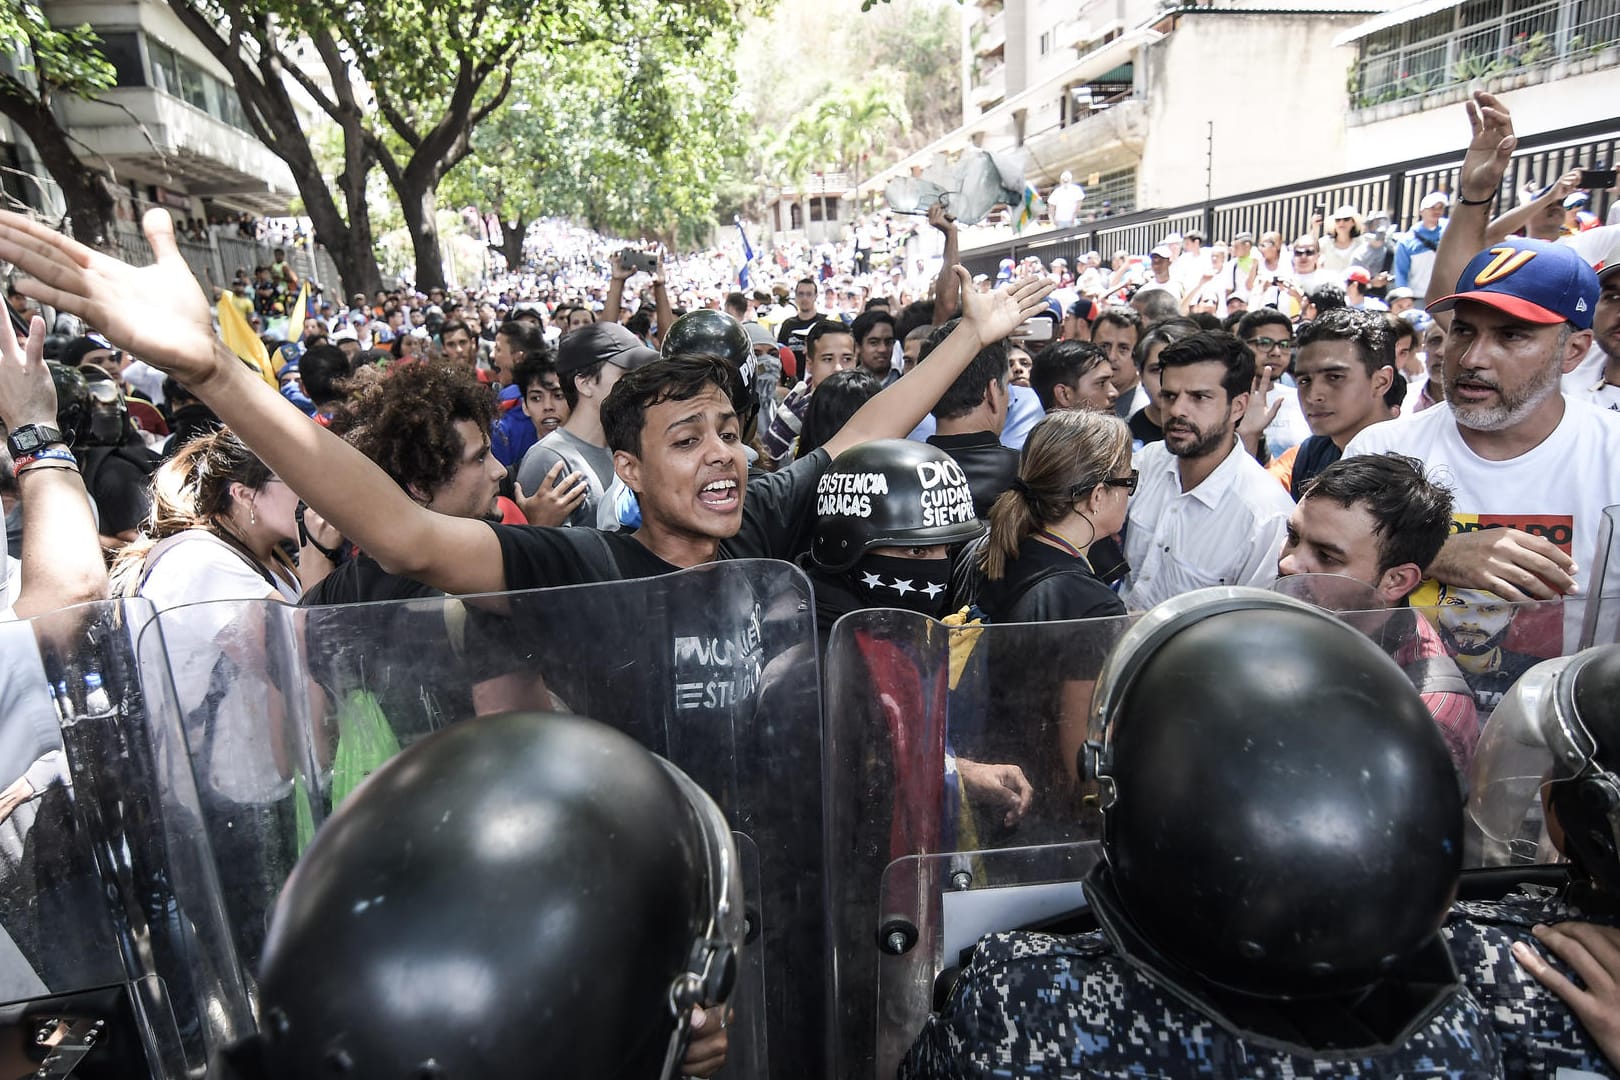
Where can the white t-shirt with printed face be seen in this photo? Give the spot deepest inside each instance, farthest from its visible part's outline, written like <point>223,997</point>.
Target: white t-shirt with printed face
<point>1557,490</point>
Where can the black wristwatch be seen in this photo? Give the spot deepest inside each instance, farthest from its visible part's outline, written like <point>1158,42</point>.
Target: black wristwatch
<point>32,438</point>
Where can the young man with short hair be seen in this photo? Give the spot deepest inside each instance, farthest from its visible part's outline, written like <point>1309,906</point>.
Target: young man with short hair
<point>1116,332</point>
<point>516,343</point>
<point>1344,369</point>
<point>1378,519</point>
<point>804,311</point>
<point>1073,375</point>
<point>829,349</point>
<point>1205,512</point>
<point>873,332</point>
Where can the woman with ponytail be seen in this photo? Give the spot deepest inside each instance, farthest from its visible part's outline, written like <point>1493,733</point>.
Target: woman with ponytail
<point>1074,478</point>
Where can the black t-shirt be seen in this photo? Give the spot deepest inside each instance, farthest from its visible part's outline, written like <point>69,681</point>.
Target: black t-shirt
<point>784,333</point>
<point>1066,588</point>
<point>1144,430</point>
<point>990,467</point>
<point>120,482</point>
<point>362,580</point>
<point>778,509</point>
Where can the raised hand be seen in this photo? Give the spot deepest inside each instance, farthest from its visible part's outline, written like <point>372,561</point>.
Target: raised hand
<point>1490,149</point>
<point>553,502</point>
<point>994,315</point>
<point>157,312</point>
<point>27,395</point>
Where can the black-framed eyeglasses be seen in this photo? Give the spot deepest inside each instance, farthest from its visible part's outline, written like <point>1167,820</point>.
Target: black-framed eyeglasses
<point>1128,481</point>
<point>1266,344</point>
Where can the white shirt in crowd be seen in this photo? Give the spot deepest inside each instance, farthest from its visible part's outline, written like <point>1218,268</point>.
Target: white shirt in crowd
<point>1226,531</point>
<point>1557,490</point>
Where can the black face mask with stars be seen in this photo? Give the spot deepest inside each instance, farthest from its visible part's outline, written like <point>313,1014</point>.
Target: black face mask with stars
<point>921,585</point>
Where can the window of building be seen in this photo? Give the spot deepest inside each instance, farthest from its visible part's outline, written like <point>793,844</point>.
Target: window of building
<point>122,48</point>
<point>1046,43</point>
<point>176,76</point>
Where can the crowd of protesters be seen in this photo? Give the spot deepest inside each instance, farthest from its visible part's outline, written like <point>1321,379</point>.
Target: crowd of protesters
<point>1427,412</point>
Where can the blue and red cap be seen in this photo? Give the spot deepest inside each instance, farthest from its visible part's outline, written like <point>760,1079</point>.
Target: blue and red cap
<point>1530,280</point>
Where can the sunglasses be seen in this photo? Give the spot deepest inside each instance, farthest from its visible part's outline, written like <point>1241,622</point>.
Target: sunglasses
<point>1266,344</point>
<point>1300,252</point>
<point>1128,481</point>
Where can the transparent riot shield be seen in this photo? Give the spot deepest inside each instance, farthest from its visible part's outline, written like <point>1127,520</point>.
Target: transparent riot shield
<point>115,958</point>
<point>1601,624</point>
<point>288,709</point>
<point>953,803</point>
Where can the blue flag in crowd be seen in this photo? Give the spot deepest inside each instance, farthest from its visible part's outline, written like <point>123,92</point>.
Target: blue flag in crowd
<point>748,255</point>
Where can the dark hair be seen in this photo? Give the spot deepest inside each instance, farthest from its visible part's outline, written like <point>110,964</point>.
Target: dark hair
<point>736,304</point>
<point>681,377</point>
<point>1062,362</point>
<point>1402,328</point>
<point>1327,297</point>
<point>820,329</point>
<point>405,421</point>
<point>532,371</point>
<point>1395,393</point>
<point>834,402</point>
<point>1165,333</point>
<point>967,392</point>
<point>640,322</point>
<point>1368,331</point>
<point>1214,347</point>
<point>1230,321</point>
<point>1203,319</point>
<point>807,281</point>
<point>523,337</point>
<point>371,357</point>
<point>915,314</point>
<point>1123,317</point>
<point>570,381</point>
<point>1262,316</point>
<point>322,368</point>
<point>1411,513</point>
<point>869,320</point>
<point>450,326</point>
<point>877,302</point>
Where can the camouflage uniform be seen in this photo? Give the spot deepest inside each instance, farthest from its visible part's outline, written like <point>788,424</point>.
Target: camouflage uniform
<point>1034,1005</point>
<point>1539,1034</point>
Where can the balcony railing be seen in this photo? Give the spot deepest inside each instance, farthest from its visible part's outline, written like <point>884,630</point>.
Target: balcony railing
<point>1533,37</point>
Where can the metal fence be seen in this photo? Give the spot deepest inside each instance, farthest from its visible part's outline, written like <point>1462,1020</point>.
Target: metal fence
<point>216,262</point>
<point>1398,188</point>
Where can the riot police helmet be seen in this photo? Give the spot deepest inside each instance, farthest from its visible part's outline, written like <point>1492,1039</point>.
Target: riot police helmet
<point>109,423</point>
<point>714,333</point>
<point>890,492</point>
<point>72,402</point>
<point>1555,741</point>
<point>1281,819</point>
<point>522,894</point>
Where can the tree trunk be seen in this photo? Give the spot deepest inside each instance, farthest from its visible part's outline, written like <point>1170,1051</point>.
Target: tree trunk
<point>420,204</point>
<point>512,234</point>
<point>90,205</point>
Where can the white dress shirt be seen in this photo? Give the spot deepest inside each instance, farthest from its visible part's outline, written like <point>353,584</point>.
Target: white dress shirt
<point>1226,531</point>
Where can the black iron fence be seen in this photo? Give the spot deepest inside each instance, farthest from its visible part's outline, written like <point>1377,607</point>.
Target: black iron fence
<point>1540,159</point>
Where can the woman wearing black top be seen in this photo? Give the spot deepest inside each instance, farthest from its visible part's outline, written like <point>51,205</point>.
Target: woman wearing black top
<point>1073,482</point>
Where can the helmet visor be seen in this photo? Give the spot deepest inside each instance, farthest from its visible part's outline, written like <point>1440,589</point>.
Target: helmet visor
<point>1515,760</point>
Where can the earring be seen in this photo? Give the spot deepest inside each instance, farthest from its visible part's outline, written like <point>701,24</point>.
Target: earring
<point>253,514</point>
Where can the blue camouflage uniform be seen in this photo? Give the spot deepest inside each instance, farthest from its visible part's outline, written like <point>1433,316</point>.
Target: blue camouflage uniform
<point>1035,1005</point>
<point>1540,1036</point>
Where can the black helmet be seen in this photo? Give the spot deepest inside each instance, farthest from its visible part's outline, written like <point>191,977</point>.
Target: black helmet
<point>109,424</point>
<point>1558,729</point>
<point>72,402</point>
<point>518,895</point>
<point>1281,816</point>
<point>890,492</point>
<point>714,333</point>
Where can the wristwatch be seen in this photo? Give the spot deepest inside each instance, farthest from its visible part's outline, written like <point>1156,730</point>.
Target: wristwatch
<point>32,438</point>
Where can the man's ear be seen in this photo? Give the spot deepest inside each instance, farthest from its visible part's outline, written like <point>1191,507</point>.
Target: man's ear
<point>1575,350</point>
<point>628,468</point>
<point>1063,395</point>
<point>1396,582</point>
<point>1238,406</point>
<point>1381,380</point>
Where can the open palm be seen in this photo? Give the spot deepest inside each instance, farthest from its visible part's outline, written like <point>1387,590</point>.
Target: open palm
<point>156,312</point>
<point>997,314</point>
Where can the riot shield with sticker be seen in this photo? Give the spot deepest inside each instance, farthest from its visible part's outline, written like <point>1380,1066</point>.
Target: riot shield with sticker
<point>954,805</point>
<point>115,958</point>
<point>288,709</point>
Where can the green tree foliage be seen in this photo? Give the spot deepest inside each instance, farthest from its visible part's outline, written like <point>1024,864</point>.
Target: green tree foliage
<point>625,136</point>
<point>52,61</point>
<point>409,82</point>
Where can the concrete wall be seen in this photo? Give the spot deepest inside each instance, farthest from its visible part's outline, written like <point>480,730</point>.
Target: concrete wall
<point>157,19</point>
<point>1235,68</point>
<point>1561,96</point>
